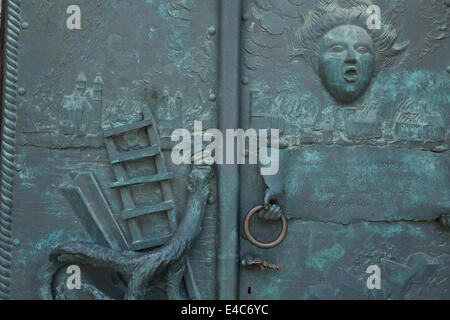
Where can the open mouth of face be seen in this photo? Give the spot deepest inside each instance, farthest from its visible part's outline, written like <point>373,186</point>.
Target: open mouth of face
<point>350,74</point>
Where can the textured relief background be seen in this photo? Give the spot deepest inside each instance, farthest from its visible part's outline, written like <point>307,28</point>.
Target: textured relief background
<point>413,81</point>
<point>161,54</point>
<point>349,170</point>
<point>128,55</point>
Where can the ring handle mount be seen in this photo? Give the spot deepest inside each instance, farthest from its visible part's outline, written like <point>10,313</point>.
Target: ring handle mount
<point>259,243</point>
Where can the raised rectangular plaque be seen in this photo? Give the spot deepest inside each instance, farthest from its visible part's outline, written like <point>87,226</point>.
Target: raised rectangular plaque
<point>361,183</point>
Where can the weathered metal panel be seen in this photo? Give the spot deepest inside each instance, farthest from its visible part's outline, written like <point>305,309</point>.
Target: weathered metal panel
<point>363,117</point>
<point>64,86</point>
<point>362,183</point>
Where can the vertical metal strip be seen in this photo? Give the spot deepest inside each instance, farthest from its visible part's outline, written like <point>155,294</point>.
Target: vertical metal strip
<point>228,175</point>
<point>3,18</point>
<point>8,146</point>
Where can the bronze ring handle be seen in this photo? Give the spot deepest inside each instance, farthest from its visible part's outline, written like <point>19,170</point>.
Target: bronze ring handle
<point>256,242</point>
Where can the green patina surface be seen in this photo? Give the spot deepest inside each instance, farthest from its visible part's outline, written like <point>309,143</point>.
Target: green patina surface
<point>364,174</point>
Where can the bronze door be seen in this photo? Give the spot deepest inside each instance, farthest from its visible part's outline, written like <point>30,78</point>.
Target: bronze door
<point>93,92</point>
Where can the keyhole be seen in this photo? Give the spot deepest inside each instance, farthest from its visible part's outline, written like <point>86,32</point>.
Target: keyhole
<point>249,290</point>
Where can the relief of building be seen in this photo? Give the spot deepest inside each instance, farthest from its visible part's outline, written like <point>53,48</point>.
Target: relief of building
<point>80,113</point>
<point>264,114</point>
<point>364,123</point>
<point>415,122</point>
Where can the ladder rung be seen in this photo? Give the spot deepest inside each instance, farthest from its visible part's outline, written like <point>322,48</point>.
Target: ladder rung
<point>135,154</point>
<point>139,180</point>
<point>126,128</point>
<point>149,243</point>
<point>140,211</point>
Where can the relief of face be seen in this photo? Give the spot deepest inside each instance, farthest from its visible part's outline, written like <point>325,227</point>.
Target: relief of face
<point>346,61</point>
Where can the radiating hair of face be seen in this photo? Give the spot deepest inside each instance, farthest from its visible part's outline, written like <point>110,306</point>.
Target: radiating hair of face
<point>345,19</point>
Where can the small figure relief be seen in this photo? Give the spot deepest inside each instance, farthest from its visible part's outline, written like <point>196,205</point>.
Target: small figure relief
<point>416,123</point>
<point>169,113</point>
<point>347,56</point>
